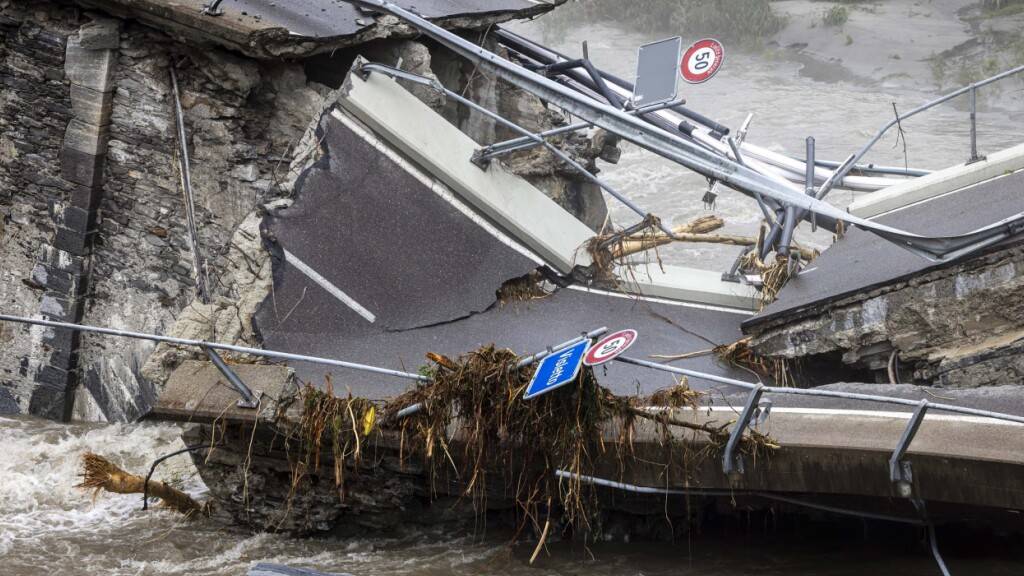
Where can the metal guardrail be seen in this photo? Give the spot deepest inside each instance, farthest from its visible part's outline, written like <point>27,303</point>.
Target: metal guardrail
<point>755,388</point>
<point>971,89</point>
<point>682,151</point>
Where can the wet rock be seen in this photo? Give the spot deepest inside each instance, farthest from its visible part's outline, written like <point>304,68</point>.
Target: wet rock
<point>413,57</point>
<point>100,34</point>
<point>229,72</point>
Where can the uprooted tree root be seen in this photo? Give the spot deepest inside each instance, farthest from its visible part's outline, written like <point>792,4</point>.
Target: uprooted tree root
<point>740,354</point>
<point>98,473</point>
<point>476,432</point>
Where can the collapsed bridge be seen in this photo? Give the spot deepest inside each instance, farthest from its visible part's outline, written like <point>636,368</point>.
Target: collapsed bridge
<point>353,226</point>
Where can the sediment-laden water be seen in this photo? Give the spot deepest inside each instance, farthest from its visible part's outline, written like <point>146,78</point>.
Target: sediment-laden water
<point>49,527</point>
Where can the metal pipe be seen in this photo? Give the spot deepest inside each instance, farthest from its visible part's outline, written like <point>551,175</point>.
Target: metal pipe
<point>729,494</point>
<point>185,170</point>
<point>934,545</point>
<point>875,168</point>
<point>789,221</point>
<point>216,346</point>
<point>974,125</point>
<point>816,392</point>
<point>490,151</point>
<point>732,463</point>
<point>687,372</point>
<point>900,471</point>
<point>799,215</point>
<point>249,400</point>
<point>810,163</point>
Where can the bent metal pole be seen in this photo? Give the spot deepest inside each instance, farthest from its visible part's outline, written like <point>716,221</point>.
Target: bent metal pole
<point>201,344</point>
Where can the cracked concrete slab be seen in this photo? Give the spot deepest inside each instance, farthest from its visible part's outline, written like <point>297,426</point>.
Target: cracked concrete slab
<point>367,235</point>
<point>524,327</point>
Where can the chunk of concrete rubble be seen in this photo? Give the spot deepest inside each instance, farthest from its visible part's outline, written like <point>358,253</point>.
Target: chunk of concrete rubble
<point>196,391</point>
<point>227,320</point>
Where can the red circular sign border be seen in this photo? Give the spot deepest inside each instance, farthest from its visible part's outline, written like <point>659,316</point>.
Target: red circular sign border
<point>719,49</point>
<point>613,335</point>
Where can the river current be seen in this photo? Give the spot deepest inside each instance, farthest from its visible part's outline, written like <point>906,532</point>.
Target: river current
<point>49,527</point>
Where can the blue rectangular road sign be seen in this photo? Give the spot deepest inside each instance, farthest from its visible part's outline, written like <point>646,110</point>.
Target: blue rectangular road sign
<point>557,370</point>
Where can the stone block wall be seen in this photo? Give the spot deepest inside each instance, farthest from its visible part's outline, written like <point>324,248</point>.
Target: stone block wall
<point>243,120</point>
<point>35,276</point>
<point>92,222</point>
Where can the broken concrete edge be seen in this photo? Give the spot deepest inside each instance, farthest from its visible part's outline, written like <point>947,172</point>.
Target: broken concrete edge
<point>953,179</point>
<point>986,257</point>
<point>956,326</point>
<point>521,210</point>
<point>252,36</point>
<point>197,392</point>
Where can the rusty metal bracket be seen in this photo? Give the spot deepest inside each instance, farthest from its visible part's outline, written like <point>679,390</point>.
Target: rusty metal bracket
<point>900,471</point>
<point>249,399</point>
<point>732,463</point>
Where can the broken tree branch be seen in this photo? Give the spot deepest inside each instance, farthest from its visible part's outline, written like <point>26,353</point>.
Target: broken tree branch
<point>102,474</point>
<point>631,246</point>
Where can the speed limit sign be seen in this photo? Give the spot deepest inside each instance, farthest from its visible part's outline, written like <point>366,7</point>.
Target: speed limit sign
<point>609,347</point>
<point>702,60</point>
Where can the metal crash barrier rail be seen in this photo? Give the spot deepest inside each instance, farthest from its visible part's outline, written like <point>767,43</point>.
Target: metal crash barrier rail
<point>899,468</point>
<point>685,152</point>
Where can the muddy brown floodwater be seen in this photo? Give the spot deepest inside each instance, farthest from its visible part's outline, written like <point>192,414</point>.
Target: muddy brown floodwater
<point>49,527</point>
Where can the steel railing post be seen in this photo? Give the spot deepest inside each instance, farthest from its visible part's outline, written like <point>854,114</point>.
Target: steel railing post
<point>899,469</point>
<point>732,463</point>
<point>249,399</point>
<point>974,125</point>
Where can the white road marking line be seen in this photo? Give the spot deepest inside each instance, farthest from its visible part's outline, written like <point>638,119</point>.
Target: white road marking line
<point>330,288</point>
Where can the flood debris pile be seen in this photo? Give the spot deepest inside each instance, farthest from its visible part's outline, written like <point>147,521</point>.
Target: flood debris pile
<point>343,423</point>
<point>475,438</point>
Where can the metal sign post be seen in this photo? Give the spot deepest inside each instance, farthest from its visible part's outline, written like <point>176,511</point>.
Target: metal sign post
<point>656,78</point>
